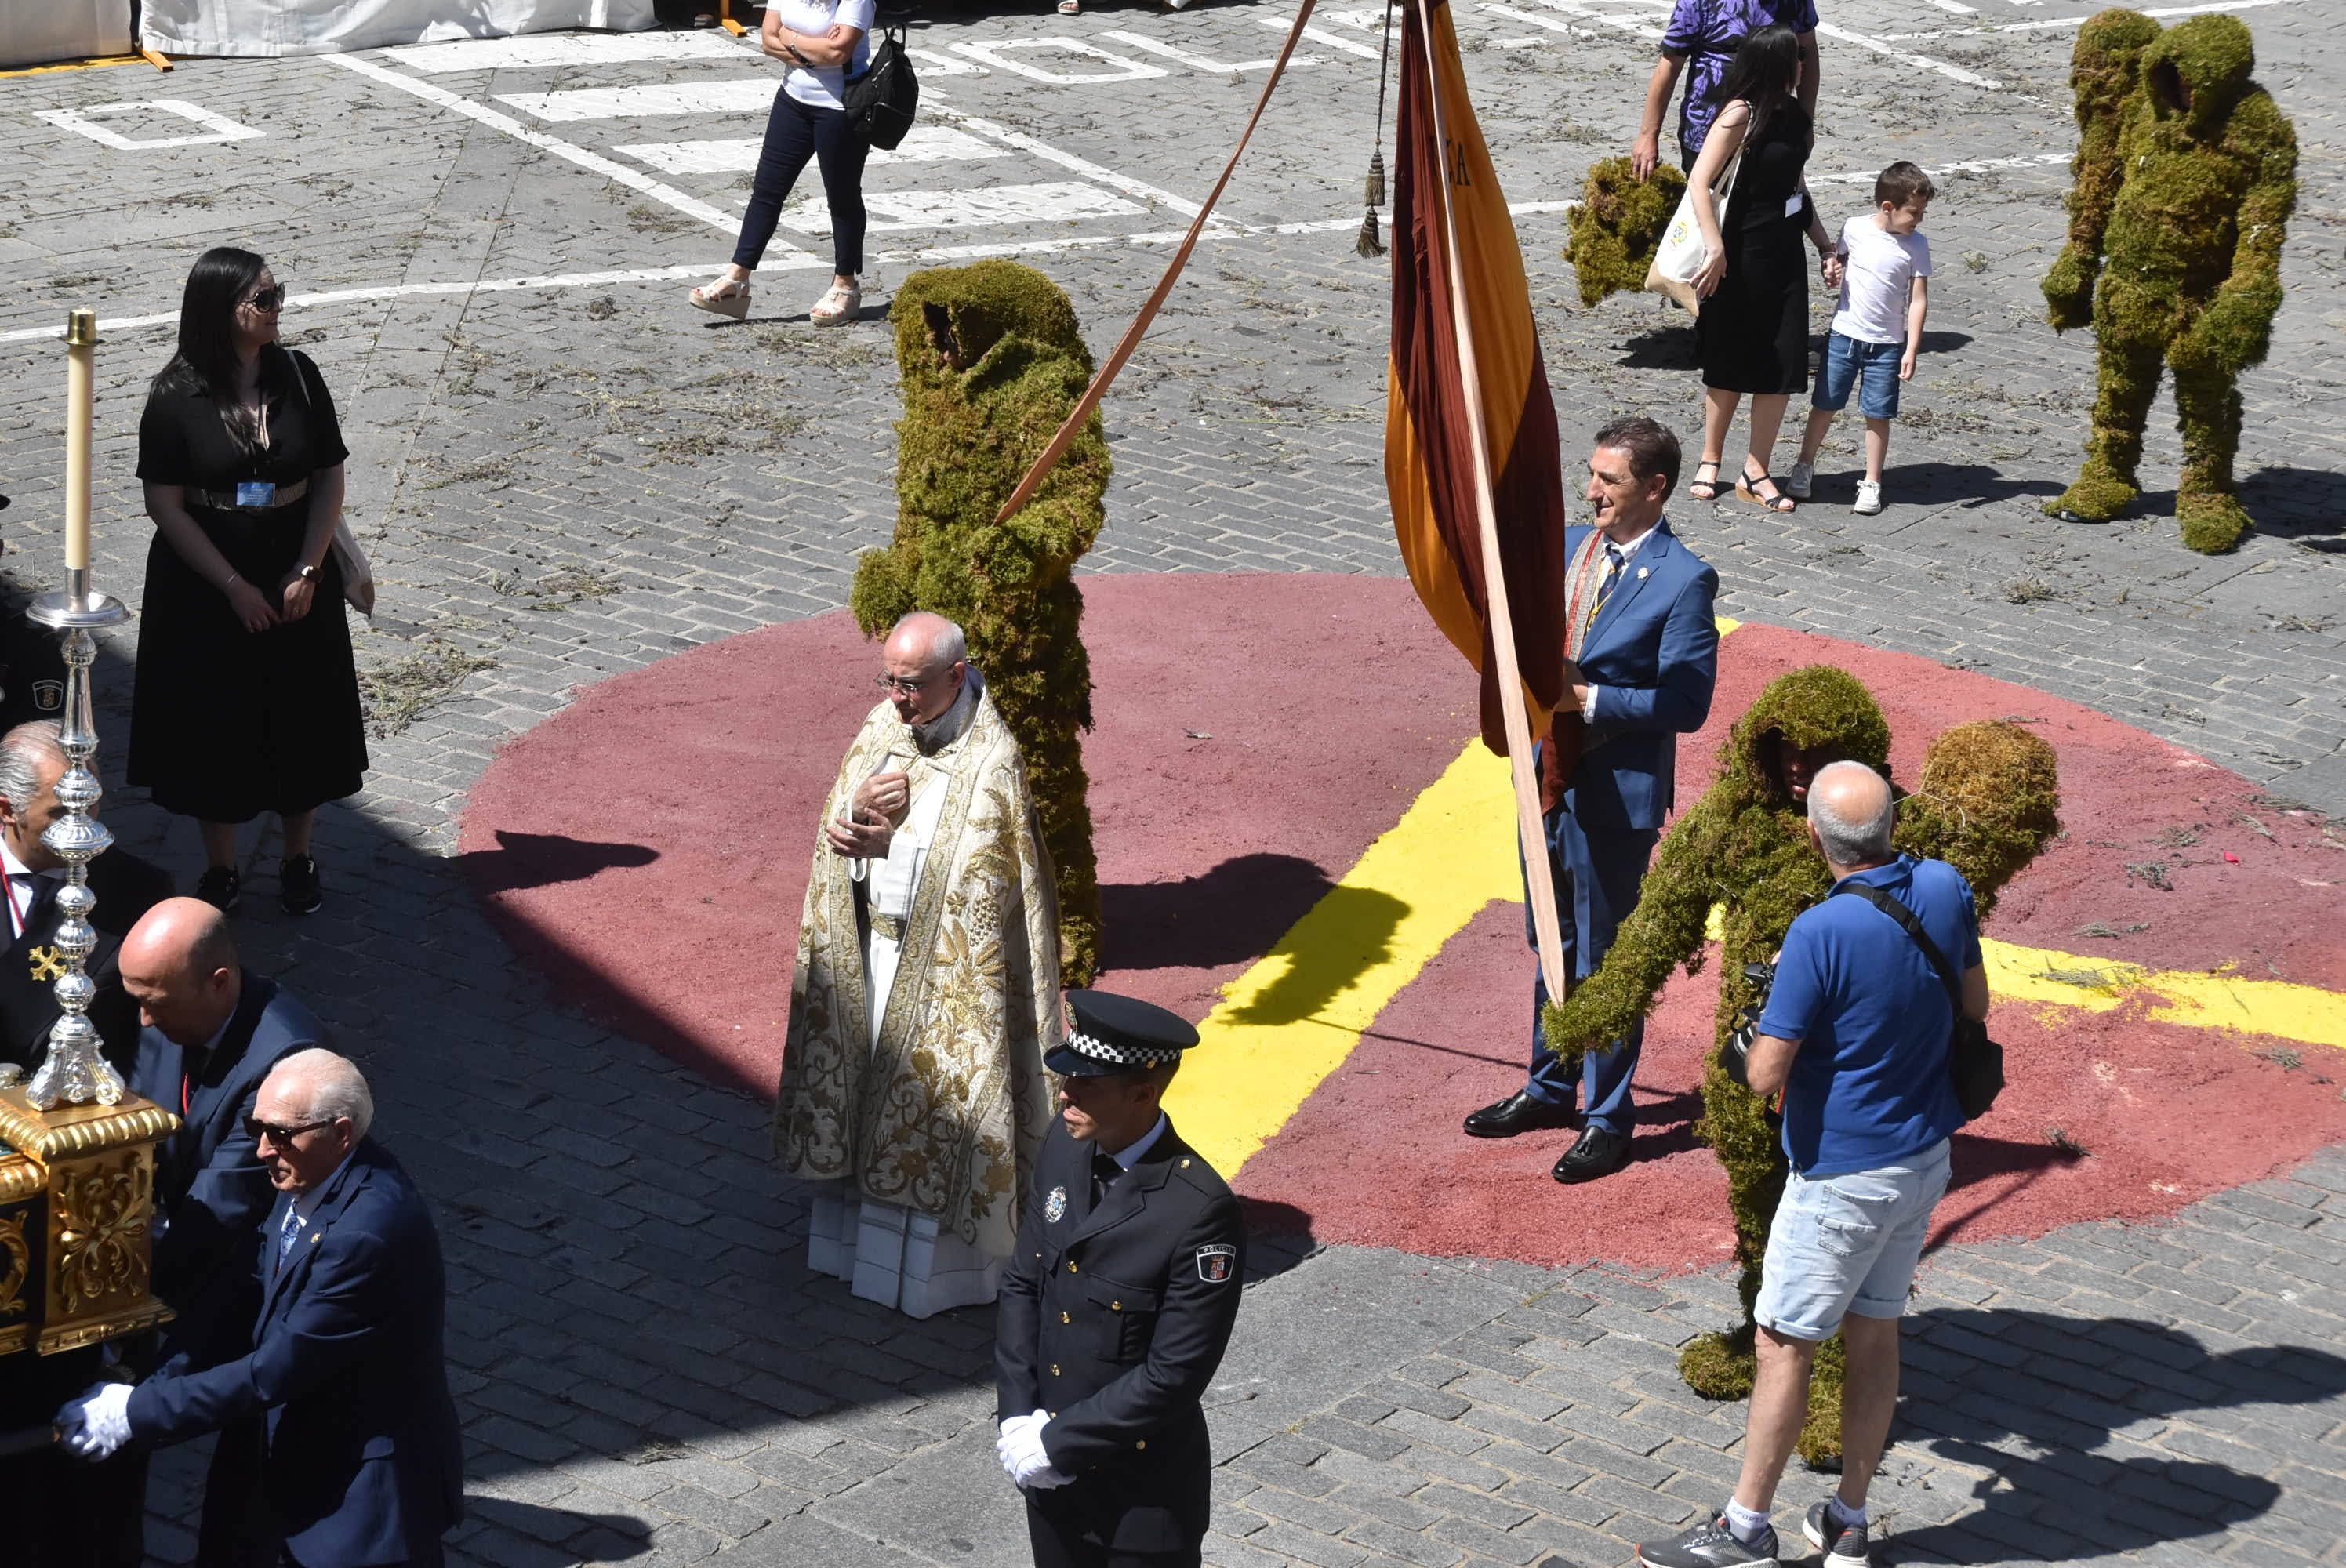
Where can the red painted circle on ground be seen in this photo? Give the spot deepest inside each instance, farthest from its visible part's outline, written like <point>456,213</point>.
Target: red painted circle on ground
<point>648,847</point>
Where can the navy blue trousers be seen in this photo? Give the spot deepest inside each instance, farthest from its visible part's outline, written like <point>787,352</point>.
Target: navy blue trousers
<point>796,132</point>
<point>1597,879</point>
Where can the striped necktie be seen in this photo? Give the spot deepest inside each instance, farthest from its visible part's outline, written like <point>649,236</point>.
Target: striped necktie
<point>1616,564</point>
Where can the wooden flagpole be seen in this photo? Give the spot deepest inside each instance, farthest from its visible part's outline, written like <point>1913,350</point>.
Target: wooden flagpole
<point>1531,832</point>
<point>1042,466</point>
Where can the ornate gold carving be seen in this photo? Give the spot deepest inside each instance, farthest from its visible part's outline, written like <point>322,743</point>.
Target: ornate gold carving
<point>98,1222</point>
<point>20,1177</point>
<point>48,963</point>
<point>19,1264</point>
<point>51,1136</point>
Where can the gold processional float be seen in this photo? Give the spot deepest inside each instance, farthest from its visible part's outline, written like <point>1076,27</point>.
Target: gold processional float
<point>77,1147</point>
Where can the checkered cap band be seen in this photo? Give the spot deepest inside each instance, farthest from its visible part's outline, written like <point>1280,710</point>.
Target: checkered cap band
<point>1099,1050</point>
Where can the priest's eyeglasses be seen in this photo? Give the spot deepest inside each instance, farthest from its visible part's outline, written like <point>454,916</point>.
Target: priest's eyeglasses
<point>905,686</point>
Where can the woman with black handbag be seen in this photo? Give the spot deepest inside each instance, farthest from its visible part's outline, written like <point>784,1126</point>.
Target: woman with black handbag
<point>823,43</point>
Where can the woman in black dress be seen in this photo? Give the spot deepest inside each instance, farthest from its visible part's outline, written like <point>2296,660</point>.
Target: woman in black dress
<point>246,698</point>
<point>1754,284</point>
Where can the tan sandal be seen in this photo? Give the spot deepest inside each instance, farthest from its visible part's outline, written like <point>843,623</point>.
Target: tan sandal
<point>838,307</point>
<point>728,296</point>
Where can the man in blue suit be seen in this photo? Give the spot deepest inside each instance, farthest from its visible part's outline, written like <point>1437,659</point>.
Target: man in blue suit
<point>339,1446</point>
<point>1649,660</point>
<point>212,1031</point>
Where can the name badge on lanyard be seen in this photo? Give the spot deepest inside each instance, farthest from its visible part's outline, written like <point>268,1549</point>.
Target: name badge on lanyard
<point>256,492</point>
<point>1792,204</point>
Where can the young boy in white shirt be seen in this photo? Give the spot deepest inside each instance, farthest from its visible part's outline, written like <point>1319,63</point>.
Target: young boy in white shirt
<point>1885,291</point>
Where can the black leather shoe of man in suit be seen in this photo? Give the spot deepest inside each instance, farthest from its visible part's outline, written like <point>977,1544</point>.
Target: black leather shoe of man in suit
<point>1596,1154</point>
<point>1521,1112</point>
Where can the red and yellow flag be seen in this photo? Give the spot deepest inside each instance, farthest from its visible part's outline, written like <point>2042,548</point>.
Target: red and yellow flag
<point>1430,470</point>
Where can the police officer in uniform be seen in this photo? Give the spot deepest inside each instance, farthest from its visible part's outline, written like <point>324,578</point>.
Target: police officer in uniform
<point>1116,1306</point>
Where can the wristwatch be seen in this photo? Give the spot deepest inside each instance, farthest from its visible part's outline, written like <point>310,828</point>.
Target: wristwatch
<point>307,573</point>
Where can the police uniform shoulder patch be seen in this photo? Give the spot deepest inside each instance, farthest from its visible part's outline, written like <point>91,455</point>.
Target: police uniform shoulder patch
<point>1054,1207</point>
<point>49,696</point>
<point>1216,1260</point>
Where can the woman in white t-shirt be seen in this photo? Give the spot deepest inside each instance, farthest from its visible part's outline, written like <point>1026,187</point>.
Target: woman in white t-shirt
<point>823,44</point>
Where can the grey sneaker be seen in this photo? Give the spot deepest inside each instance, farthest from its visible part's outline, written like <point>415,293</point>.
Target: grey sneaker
<point>1800,481</point>
<point>1869,497</point>
<point>1843,1544</point>
<point>1710,1545</point>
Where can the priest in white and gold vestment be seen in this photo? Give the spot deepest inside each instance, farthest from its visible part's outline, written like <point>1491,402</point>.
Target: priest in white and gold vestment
<point>913,1096</point>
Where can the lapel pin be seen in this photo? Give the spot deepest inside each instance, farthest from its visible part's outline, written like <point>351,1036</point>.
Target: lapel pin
<point>1054,1207</point>
<point>1641,573</point>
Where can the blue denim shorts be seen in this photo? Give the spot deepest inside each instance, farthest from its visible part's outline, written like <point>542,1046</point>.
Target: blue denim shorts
<point>1871,368</point>
<point>1848,1244</point>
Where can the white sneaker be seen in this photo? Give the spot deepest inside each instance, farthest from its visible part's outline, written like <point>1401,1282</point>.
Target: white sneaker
<point>1869,497</point>
<point>1797,482</point>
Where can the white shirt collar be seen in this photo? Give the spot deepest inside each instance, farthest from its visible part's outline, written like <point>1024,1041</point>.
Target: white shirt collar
<point>1629,551</point>
<point>1132,1154</point>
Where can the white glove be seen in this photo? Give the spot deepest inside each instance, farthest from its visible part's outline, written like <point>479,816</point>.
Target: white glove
<point>97,1423</point>
<point>1020,1449</point>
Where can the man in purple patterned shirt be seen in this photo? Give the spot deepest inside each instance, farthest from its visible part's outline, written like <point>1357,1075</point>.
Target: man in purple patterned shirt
<point>1705,32</point>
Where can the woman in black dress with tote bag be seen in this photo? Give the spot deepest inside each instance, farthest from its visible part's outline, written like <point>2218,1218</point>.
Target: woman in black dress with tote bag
<point>246,698</point>
<point>1754,324</point>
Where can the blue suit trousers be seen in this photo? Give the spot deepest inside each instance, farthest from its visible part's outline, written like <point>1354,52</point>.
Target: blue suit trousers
<point>1596,880</point>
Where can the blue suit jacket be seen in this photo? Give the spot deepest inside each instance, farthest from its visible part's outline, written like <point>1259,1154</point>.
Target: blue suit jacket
<point>211,1191</point>
<point>1654,649</point>
<point>362,1464</point>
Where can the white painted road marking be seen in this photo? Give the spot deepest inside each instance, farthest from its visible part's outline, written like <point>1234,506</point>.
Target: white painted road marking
<point>923,144</point>
<point>606,168</point>
<point>2046,22</point>
<point>1058,201</point>
<point>1321,36</point>
<point>1957,73</point>
<point>542,50</point>
<point>996,55</point>
<point>1198,62</point>
<point>733,95</point>
<point>933,64</point>
<point>1068,160</point>
<point>216,127</point>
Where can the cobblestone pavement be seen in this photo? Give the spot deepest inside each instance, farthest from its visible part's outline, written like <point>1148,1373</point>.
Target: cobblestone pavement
<point>563,474</point>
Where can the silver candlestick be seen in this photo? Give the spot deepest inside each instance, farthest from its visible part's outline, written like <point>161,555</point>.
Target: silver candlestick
<point>75,1072</point>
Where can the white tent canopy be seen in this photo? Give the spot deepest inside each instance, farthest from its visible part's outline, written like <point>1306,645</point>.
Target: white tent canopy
<point>36,32</point>
<point>326,26</point>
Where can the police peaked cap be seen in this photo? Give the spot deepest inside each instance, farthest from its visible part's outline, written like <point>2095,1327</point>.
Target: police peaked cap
<point>1118,1035</point>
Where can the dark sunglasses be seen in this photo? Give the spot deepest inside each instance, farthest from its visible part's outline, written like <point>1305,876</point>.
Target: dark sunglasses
<point>256,1129</point>
<point>269,299</point>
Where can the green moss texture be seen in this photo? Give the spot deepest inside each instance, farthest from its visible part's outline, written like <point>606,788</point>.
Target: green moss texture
<point>2184,179</point>
<point>1619,225</point>
<point>991,362</point>
<point>1988,803</point>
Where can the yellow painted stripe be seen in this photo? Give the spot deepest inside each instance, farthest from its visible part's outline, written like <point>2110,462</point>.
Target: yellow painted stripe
<point>2200,999</point>
<point>75,65</point>
<point>1292,1018</point>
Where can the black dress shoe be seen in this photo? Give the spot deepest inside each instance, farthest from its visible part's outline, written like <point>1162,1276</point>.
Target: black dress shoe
<point>1521,1112</point>
<point>1596,1154</point>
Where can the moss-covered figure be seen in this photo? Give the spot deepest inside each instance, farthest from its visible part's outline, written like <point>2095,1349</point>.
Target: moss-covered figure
<point>2185,176</point>
<point>1987,804</point>
<point>1619,225</point>
<point>991,362</point>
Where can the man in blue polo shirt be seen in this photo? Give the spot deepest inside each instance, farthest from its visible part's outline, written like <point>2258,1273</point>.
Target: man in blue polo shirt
<point>1856,1034</point>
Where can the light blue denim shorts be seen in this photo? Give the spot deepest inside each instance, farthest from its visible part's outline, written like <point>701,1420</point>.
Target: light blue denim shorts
<point>1849,1243</point>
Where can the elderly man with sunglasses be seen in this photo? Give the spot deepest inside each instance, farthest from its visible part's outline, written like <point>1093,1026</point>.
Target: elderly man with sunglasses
<point>927,990</point>
<point>339,1445</point>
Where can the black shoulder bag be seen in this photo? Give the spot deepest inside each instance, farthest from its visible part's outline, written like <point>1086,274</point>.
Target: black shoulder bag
<point>1975,1061</point>
<point>881,103</point>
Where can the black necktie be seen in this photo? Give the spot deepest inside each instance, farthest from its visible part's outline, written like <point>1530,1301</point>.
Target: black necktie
<point>38,906</point>
<point>1105,1170</point>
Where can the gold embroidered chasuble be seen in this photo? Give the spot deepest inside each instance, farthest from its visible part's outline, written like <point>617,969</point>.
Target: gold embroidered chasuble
<point>944,1113</point>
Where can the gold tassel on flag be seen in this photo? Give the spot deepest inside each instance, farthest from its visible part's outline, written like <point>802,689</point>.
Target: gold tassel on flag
<point>1369,244</point>
<point>1375,193</point>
